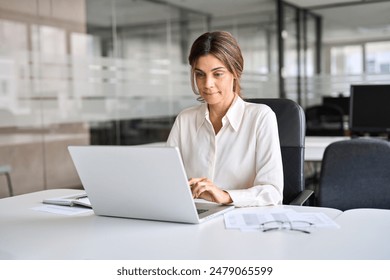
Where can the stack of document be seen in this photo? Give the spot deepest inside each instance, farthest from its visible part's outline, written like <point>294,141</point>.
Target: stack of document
<point>66,205</point>
<point>256,218</point>
<point>80,199</point>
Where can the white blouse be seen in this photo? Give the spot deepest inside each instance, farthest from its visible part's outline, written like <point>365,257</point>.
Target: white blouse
<point>243,159</point>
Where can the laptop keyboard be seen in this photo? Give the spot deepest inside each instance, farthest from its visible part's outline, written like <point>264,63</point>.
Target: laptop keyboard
<point>200,211</point>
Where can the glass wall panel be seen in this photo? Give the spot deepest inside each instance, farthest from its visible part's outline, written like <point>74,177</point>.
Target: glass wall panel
<point>256,34</point>
<point>309,46</point>
<point>105,72</point>
<point>292,62</point>
<point>21,147</point>
<point>309,55</point>
<point>37,123</point>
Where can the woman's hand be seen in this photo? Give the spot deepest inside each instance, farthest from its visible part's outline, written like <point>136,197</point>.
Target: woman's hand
<point>205,189</point>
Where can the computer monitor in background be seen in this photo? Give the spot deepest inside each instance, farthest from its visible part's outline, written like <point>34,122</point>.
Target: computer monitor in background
<point>340,101</point>
<point>370,110</point>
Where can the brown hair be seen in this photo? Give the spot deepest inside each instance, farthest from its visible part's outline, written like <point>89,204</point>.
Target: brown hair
<point>224,47</point>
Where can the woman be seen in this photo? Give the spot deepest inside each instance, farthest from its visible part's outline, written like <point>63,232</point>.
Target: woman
<point>230,148</point>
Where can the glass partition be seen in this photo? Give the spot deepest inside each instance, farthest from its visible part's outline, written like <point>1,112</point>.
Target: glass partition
<point>37,121</point>
<point>106,72</point>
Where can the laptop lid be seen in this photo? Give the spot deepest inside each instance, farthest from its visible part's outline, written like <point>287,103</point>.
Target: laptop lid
<point>142,182</point>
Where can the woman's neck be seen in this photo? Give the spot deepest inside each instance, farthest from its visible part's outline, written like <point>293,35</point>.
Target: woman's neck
<point>217,112</point>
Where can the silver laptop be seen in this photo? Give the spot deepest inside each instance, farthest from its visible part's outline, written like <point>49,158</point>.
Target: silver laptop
<point>142,182</point>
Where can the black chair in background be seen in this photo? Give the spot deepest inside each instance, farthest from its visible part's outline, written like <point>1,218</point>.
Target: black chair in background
<point>324,120</point>
<point>355,173</point>
<point>291,126</point>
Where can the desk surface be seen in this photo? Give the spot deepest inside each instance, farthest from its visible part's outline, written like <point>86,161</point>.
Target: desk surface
<point>29,234</point>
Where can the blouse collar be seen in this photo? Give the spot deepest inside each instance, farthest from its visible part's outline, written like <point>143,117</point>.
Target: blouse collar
<point>234,115</point>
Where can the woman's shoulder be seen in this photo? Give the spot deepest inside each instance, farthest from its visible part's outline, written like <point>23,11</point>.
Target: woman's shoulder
<point>190,111</point>
<point>260,114</point>
<point>257,108</point>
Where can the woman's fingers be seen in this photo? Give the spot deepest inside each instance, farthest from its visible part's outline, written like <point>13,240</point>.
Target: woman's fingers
<point>199,185</point>
<point>205,189</point>
<point>193,181</point>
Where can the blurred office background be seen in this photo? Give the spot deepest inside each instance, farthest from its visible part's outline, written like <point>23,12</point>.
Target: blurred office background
<point>115,72</point>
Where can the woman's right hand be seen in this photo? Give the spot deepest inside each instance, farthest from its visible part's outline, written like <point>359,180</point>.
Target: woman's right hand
<point>206,189</point>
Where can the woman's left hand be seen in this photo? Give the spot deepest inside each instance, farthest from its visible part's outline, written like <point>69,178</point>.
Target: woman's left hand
<point>205,189</point>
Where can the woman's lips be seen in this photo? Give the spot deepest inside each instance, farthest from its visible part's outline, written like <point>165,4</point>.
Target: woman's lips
<point>211,93</point>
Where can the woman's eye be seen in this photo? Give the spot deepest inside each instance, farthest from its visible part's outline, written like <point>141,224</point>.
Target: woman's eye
<point>199,74</point>
<point>218,74</point>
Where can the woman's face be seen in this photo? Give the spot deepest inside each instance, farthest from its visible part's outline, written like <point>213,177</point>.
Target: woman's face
<point>214,81</point>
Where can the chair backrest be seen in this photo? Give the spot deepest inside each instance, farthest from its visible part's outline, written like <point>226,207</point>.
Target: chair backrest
<point>324,120</point>
<point>291,126</point>
<point>355,173</point>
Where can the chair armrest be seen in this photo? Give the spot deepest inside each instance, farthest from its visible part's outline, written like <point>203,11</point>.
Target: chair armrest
<point>302,197</point>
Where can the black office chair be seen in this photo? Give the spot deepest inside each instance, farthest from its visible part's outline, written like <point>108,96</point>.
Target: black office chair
<point>356,174</point>
<point>324,120</point>
<point>291,126</point>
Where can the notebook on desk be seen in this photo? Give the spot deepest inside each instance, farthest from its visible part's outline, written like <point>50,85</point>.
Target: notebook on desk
<point>142,182</point>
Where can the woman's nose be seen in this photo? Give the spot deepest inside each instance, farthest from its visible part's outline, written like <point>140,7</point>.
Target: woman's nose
<point>209,82</point>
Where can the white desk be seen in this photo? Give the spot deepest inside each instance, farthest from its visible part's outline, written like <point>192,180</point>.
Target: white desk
<point>29,234</point>
<point>315,146</point>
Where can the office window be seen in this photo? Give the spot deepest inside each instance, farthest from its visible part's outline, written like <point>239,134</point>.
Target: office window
<point>84,45</point>
<point>347,60</point>
<point>9,42</point>
<point>49,40</point>
<point>254,44</point>
<point>378,58</point>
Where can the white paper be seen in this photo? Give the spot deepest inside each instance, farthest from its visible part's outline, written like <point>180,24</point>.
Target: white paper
<point>319,219</point>
<point>63,210</point>
<point>250,219</point>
